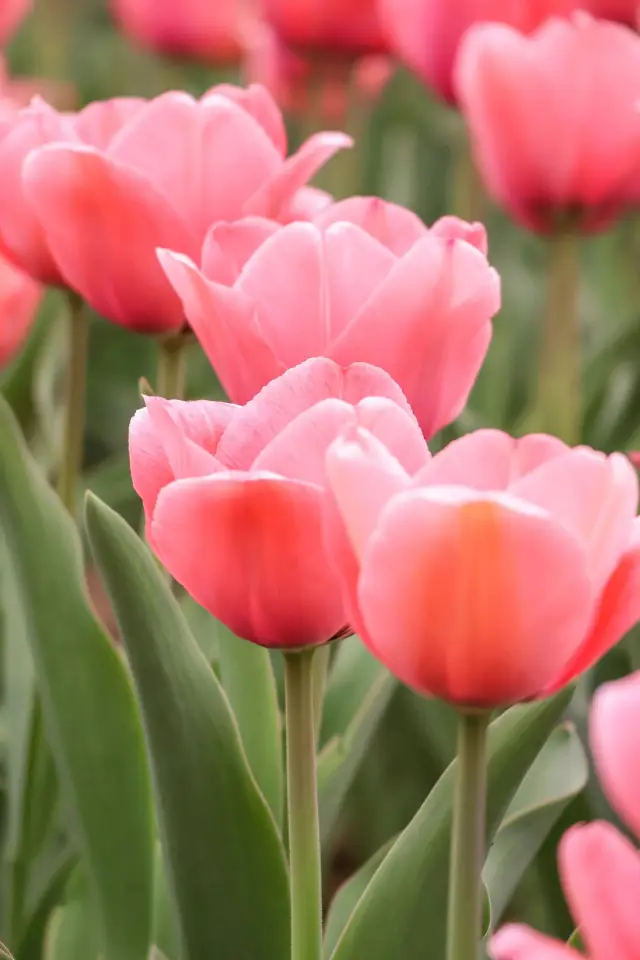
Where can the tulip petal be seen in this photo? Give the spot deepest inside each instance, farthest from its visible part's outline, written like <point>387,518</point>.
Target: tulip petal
<point>248,548</point>
<point>305,204</point>
<point>200,421</point>
<point>397,428</point>
<point>476,599</point>
<point>594,496</point>
<point>614,721</point>
<point>453,228</point>
<point>20,297</point>
<point>223,320</point>
<point>259,103</point>
<point>228,246</point>
<point>272,199</point>
<point>600,873</point>
<point>395,227</point>
<point>103,223</point>
<point>99,122</point>
<point>517,942</point>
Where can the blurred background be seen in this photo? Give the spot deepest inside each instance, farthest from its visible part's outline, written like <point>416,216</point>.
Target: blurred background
<point>410,149</point>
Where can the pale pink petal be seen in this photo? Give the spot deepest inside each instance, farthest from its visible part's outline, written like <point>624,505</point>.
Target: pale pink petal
<point>392,225</point>
<point>618,610</point>
<point>185,458</point>
<point>103,223</point>
<point>224,322</point>
<point>248,548</point>
<point>258,102</point>
<point>273,199</point>
<point>397,428</point>
<point>453,228</point>
<point>516,942</point>
<point>600,873</point>
<point>594,496</point>
<point>614,722</point>
<point>457,588</point>
<point>305,204</point>
<point>99,122</point>
<point>228,246</point>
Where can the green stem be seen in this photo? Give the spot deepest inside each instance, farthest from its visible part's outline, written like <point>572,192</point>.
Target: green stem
<point>464,932</point>
<point>172,366</point>
<point>304,831</point>
<point>560,378</point>
<point>74,412</point>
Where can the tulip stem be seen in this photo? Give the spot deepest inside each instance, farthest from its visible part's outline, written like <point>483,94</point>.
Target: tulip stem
<point>560,379</point>
<point>172,366</point>
<point>304,830</point>
<point>74,405</point>
<point>464,932</point>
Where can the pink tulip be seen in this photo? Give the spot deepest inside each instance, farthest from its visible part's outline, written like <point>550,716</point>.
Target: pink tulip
<point>234,496</point>
<point>624,11</point>
<point>12,13</point>
<point>179,166</point>
<point>334,29</point>
<point>498,573</point>
<point>215,32</point>
<point>384,290</point>
<point>599,868</point>
<point>20,298</point>
<point>535,108</point>
<point>22,236</point>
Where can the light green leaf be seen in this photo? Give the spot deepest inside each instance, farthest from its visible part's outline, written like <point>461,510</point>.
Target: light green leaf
<point>225,858</point>
<point>558,774</point>
<point>346,899</point>
<point>405,905</point>
<point>165,927</point>
<point>90,714</point>
<point>72,933</point>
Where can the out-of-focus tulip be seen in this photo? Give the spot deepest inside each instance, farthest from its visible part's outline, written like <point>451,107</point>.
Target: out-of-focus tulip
<point>334,29</point>
<point>599,868</point>
<point>534,106</point>
<point>624,11</point>
<point>498,573</point>
<point>12,13</point>
<point>179,166</point>
<point>19,301</point>
<point>234,496</point>
<point>22,236</point>
<point>215,31</point>
<point>384,290</point>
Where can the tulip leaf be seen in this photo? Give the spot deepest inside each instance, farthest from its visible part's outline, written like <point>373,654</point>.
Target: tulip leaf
<point>90,715</point>
<point>226,865</point>
<point>404,906</point>
<point>72,931</point>
<point>347,897</point>
<point>557,775</point>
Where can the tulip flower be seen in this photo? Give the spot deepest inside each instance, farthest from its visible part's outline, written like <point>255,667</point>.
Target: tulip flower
<point>215,32</point>
<point>179,166</point>
<point>498,573</point>
<point>624,11</point>
<point>233,496</point>
<point>12,13</point>
<point>20,298</point>
<point>599,868</point>
<point>334,29</point>
<point>383,290</point>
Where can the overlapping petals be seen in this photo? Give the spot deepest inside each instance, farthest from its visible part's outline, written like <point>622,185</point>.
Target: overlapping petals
<point>20,298</point>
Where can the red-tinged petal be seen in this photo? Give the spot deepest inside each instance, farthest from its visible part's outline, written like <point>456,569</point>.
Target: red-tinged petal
<point>614,722</point>
<point>223,320</point>
<point>202,422</point>
<point>228,246</point>
<point>205,158</point>
<point>103,223</point>
<point>12,12</point>
<point>102,120</point>
<point>248,548</point>
<point>477,599</point>
<point>274,198</point>
<point>516,942</point>
<point>453,228</point>
<point>20,297</point>
<point>600,873</point>
<point>618,610</point>
<point>594,496</point>
<point>392,225</point>
<point>258,102</point>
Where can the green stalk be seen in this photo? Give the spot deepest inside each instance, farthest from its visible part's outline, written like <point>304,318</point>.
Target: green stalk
<point>560,376</point>
<point>464,930</point>
<point>172,366</point>
<point>304,830</point>
<point>74,412</point>
<point>321,662</point>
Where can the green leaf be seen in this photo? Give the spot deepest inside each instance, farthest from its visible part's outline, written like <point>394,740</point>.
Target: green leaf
<point>347,897</point>
<point>225,858</point>
<point>557,775</point>
<point>405,905</point>
<point>358,694</point>
<point>165,928</point>
<point>73,931</point>
<point>90,714</point>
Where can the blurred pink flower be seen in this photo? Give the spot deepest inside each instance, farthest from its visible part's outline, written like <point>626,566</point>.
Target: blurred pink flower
<point>599,868</point>
<point>382,289</point>
<point>20,298</point>
<point>104,203</point>
<point>534,105</point>
<point>497,573</point>
<point>334,29</point>
<point>234,496</point>
<point>12,13</point>
<point>625,11</point>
